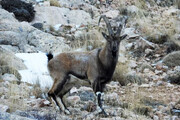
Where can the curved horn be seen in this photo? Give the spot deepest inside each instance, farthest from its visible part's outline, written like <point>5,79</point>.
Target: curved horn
<point>119,30</point>
<point>120,26</point>
<point>107,24</point>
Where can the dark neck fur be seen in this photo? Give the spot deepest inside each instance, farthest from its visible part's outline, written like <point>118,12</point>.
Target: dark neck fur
<point>107,61</point>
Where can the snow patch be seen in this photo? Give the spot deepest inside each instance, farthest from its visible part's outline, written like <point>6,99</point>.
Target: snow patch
<point>37,71</point>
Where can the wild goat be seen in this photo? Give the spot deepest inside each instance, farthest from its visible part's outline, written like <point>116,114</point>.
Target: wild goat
<point>97,66</point>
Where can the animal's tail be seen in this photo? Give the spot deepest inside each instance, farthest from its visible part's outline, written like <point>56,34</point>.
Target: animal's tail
<point>49,56</point>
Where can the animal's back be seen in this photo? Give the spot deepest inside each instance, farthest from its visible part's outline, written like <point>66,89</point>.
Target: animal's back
<point>75,63</point>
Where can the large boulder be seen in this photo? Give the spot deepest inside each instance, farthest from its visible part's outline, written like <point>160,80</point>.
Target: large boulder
<point>7,58</point>
<point>55,15</point>
<point>22,37</point>
<point>172,59</point>
<point>7,116</point>
<point>23,11</point>
<point>173,76</point>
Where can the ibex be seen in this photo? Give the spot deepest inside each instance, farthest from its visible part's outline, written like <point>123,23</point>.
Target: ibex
<point>96,67</point>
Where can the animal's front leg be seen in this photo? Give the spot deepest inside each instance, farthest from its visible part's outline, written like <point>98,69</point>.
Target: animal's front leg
<point>98,88</point>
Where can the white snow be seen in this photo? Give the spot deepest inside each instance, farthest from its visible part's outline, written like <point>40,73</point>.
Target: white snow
<point>37,71</point>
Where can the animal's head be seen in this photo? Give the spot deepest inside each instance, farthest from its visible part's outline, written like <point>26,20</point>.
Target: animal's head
<point>114,38</point>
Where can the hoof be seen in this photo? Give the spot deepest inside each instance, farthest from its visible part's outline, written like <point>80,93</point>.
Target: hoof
<point>67,112</point>
<point>103,113</point>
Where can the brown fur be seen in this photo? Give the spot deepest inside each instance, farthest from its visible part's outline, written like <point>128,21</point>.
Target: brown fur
<point>95,68</point>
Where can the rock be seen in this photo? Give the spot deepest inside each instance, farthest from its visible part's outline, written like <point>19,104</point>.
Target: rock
<point>86,96</point>
<point>159,66</point>
<point>143,44</point>
<point>132,64</point>
<point>112,13</point>
<point>158,72</point>
<point>9,77</point>
<point>172,59</point>
<point>132,10</point>
<point>23,11</point>
<point>6,15</point>
<point>105,119</point>
<point>66,16</point>
<point>26,38</point>
<point>155,117</point>
<point>38,26</point>
<point>4,108</point>
<point>10,70</point>
<point>148,51</point>
<point>44,103</point>
<point>165,3</point>
<point>133,78</point>
<point>172,46</point>
<point>90,106</point>
<point>83,88</point>
<point>7,116</point>
<point>73,100</point>
<point>177,105</point>
<point>112,86</point>
<point>37,114</point>
<point>145,66</point>
<point>7,58</point>
<point>46,42</point>
<point>112,99</point>
<point>73,90</point>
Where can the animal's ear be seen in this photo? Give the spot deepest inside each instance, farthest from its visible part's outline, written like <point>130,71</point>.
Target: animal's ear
<point>123,37</point>
<point>105,36</point>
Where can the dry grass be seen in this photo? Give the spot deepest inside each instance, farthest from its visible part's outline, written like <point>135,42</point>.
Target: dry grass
<point>157,29</point>
<point>88,40</point>
<point>4,59</point>
<point>155,23</point>
<point>6,69</point>
<point>17,94</point>
<point>141,100</point>
<point>54,3</point>
<point>120,73</point>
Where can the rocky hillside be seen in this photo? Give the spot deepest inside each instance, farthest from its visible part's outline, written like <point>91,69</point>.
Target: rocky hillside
<point>146,82</point>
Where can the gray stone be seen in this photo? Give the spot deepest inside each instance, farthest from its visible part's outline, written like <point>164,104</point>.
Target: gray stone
<point>4,108</point>
<point>73,100</point>
<point>7,116</point>
<point>37,114</point>
<point>145,66</point>
<point>62,15</point>
<point>10,70</point>
<point>25,38</point>
<point>87,95</point>
<point>112,99</point>
<point>90,106</point>
<point>173,77</point>
<point>172,59</point>
<point>112,13</point>
<point>7,58</point>
<point>133,78</point>
<point>9,77</point>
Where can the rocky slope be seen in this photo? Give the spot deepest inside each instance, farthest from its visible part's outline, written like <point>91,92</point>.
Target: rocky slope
<point>146,83</point>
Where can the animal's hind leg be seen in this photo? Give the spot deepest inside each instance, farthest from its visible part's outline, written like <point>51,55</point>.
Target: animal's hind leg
<point>56,88</point>
<point>67,87</point>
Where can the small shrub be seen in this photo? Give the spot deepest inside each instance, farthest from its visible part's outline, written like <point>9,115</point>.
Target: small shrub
<point>4,59</point>
<point>10,70</point>
<point>54,3</point>
<point>120,73</point>
<point>23,11</point>
<point>88,40</point>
